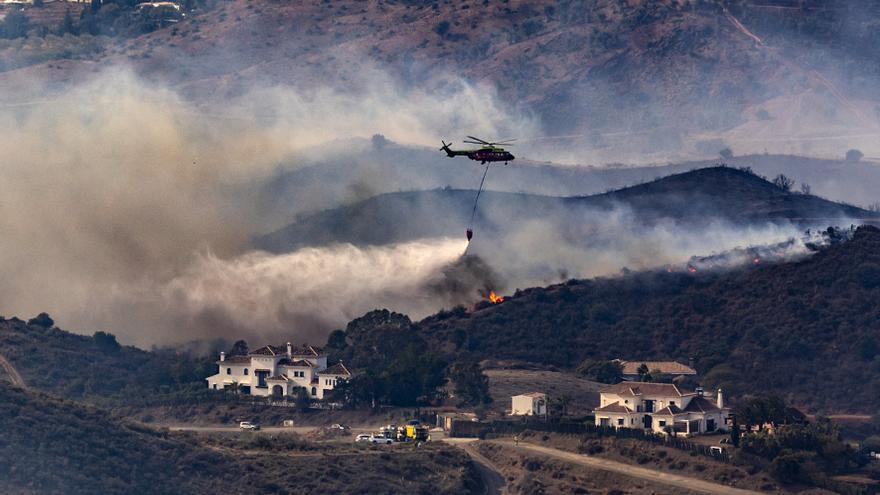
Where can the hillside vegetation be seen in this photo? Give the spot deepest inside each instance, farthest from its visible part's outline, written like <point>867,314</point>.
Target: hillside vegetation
<point>599,65</point>
<point>96,368</point>
<point>55,446</point>
<point>806,330</point>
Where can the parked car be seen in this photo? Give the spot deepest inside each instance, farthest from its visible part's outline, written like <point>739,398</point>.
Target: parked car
<point>247,425</point>
<point>337,426</point>
<point>362,438</point>
<point>380,439</point>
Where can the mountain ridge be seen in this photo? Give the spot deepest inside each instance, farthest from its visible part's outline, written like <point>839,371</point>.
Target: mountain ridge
<point>689,197</point>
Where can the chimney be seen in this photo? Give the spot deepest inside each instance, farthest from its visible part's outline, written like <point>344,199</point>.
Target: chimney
<point>222,356</point>
<point>289,350</point>
<point>720,399</point>
<point>700,391</point>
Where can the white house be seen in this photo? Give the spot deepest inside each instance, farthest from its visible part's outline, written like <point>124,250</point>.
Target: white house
<point>531,404</point>
<point>659,407</point>
<point>276,371</point>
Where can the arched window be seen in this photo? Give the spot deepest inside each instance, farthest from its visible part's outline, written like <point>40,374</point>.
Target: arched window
<point>228,371</point>
<point>245,371</point>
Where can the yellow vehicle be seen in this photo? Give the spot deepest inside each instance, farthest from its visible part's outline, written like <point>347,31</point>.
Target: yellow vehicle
<point>413,432</point>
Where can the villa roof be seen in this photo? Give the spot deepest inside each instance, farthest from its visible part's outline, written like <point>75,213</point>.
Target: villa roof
<point>304,350</point>
<point>642,388</point>
<point>670,410</point>
<point>615,407</point>
<point>278,378</point>
<point>701,404</point>
<point>296,363</point>
<point>337,369</point>
<point>307,350</point>
<point>235,360</point>
<point>665,367</point>
<point>270,350</point>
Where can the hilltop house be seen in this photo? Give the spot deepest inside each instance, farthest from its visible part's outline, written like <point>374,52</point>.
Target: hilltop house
<point>660,407</point>
<point>276,371</point>
<point>630,369</point>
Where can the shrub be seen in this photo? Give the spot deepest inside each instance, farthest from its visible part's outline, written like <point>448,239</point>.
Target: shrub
<point>783,182</point>
<point>42,320</point>
<point>854,155</point>
<point>442,28</point>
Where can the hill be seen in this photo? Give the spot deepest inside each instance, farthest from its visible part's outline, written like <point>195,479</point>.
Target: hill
<point>631,79</point>
<point>363,170</point>
<point>54,446</point>
<point>694,199</point>
<point>97,368</point>
<point>792,328</point>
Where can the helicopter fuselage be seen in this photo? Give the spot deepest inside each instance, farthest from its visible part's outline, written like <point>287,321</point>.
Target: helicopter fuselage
<point>482,155</point>
<point>490,155</point>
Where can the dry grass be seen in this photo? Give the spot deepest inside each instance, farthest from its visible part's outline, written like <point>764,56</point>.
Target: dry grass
<point>504,383</point>
<point>657,457</point>
<point>525,473</point>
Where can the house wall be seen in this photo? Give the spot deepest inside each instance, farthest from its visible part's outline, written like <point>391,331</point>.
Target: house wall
<point>615,419</point>
<point>522,405</point>
<point>236,374</point>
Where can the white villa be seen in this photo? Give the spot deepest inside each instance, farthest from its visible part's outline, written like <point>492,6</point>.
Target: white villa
<point>276,371</point>
<point>660,406</point>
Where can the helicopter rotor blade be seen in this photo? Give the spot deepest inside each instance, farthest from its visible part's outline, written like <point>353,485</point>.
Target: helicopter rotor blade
<point>478,139</point>
<point>474,142</point>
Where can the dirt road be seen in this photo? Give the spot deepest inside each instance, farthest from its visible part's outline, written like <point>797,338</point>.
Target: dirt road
<point>665,478</point>
<point>493,481</point>
<point>14,377</point>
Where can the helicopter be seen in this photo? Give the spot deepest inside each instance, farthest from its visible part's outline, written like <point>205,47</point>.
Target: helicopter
<point>488,152</point>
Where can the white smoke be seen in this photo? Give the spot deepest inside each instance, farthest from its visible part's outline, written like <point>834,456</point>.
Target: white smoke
<point>112,186</point>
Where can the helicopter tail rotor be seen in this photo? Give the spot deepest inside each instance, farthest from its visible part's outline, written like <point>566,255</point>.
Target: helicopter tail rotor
<point>445,148</point>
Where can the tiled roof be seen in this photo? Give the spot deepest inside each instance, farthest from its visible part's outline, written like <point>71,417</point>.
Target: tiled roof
<point>296,363</point>
<point>615,407</point>
<point>701,404</point>
<point>270,350</point>
<point>306,350</point>
<point>668,411</point>
<point>642,388</point>
<point>297,351</point>
<point>337,369</point>
<point>279,378</point>
<point>667,367</point>
<point>236,360</point>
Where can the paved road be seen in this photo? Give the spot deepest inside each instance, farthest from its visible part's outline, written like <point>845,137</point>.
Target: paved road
<point>12,372</point>
<point>665,478</point>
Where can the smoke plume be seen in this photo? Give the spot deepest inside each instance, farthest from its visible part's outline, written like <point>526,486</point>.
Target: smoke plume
<point>126,209</point>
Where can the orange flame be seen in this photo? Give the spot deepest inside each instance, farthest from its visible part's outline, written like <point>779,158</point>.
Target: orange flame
<point>495,299</point>
<point>692,269</point>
